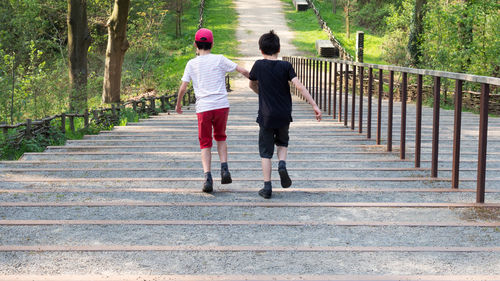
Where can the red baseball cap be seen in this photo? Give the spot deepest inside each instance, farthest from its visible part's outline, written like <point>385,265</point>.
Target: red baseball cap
<point>204,35</point>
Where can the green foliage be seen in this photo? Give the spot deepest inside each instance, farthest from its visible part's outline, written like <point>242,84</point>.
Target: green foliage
<point>306,28</point>
<point>371,15</point>
<point>307,31</point>
<point>462,37</point>
<point>395,49</point>
<point>9,150</point>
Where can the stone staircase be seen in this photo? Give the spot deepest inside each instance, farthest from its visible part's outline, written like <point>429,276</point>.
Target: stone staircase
<point>127,205</point>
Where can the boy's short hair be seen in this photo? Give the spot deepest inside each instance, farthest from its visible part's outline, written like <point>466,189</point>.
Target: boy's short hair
<point>203,45</point>
<point>269,43</point>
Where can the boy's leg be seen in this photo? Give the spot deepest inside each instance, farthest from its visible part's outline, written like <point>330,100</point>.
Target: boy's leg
<point>219,122</point>
<point>206,159</point>
<point>281,140</point>
<point>266,150</point>
<point>266,168</point>
<point>205,139</point>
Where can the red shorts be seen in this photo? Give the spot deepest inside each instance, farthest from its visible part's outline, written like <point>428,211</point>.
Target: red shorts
<point>217,119</point>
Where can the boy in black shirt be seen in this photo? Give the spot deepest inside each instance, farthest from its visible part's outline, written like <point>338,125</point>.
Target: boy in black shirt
<point>269,78</point>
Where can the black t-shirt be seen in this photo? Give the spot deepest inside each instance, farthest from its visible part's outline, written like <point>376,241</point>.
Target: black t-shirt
<point>275,101</point>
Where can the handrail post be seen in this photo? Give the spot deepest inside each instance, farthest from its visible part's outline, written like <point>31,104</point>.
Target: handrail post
<point>361,92</point>
<point>330,88</point>
<point>341,80</point>
<point>27,132</point>
<point>72,123</point>
<point>86,119</point>
<point>316,81</point>
<point>334,90</point>
<point>320,84</point>
<point>483,141</point>
<point>325,82</point>
<point>435,126</point>
<point>404,95</point>
<point>457,134</point>
<point>95,113</point>
<point>379,105</point>
<point>369,116</point>
<point>390,111</point>
<point>418,125</point>
<point>353,103</point>
<point>346,96</point>
<point>63,123</point>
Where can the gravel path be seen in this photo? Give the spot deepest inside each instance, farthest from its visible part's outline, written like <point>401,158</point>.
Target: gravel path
<point>140,186</point>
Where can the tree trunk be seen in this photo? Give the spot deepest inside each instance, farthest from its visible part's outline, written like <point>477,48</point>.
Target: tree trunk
<point>346,11</point>
<point>416,30</point>
<point>115,52</point>
<point>78,45</point>
<point>466,35</point>
<point>334,6</point>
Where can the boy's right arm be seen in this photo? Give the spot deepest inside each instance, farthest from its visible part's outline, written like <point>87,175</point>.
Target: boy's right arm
<point>180,95</point>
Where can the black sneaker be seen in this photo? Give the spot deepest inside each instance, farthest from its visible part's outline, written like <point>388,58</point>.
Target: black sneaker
<point>285,179</point>
<point>225,176</point>
<point>267,191</point>
<point>208,186</point>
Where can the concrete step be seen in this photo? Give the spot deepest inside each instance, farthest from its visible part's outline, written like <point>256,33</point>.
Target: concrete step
<point>193,194</point>
<point>248,233</point>
<point>188,171</point>
<point>271,263</point>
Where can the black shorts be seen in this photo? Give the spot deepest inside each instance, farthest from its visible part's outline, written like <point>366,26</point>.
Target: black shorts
<point>269,137</point>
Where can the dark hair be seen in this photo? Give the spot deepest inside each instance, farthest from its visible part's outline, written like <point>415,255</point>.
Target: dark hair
<point>269,43</point>
<point>204,45</point>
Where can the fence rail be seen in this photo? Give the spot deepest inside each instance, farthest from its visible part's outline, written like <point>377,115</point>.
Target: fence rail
<point>320,75</point>
<point>32,128</point>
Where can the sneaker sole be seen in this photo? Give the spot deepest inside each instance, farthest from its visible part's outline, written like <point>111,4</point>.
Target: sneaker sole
<point>208,189</point>
<point>226,180</point>
<point>286,182</point>
<point>266,196</point>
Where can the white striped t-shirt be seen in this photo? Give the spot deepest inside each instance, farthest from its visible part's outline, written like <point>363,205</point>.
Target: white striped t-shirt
<point>208,75</point>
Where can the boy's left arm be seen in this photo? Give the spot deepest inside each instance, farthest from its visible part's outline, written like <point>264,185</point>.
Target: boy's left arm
<point>305,93</point>
<point>243,71</point>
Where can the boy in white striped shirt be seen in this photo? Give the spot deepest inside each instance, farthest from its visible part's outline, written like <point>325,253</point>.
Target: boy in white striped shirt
<point>207,72</point>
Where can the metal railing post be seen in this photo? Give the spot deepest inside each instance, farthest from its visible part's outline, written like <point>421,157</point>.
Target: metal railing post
<point>369,113</point>
<point>457,134</point>
<point>483,141</point>
<point>346,96</point>
<point>390,111</point>
<point>341,80</point>
<point>353,103</point>
<point>404,95</point>
<point>379,105</point>
<point>334,90</point>
<point>330,88</point>
<point>320,84</point>
<point>435,126</point>
<point>325,92</point>
<point>418,125</point>
<point>361,92</point>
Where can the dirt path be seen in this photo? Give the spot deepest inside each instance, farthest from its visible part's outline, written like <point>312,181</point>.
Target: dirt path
<point>257,17</point>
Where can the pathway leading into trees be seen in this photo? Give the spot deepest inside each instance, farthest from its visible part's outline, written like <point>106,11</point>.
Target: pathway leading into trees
<point>127,204</point>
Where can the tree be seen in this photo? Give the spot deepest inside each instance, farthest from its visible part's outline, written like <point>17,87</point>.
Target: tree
<point>347,9</point>
<point>115,52</point>
<point>416,30</point>
<point>78,45</point>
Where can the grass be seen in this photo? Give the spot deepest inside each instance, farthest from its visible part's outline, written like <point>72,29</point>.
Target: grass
<point>166,61</point>
<point>307,30</point>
